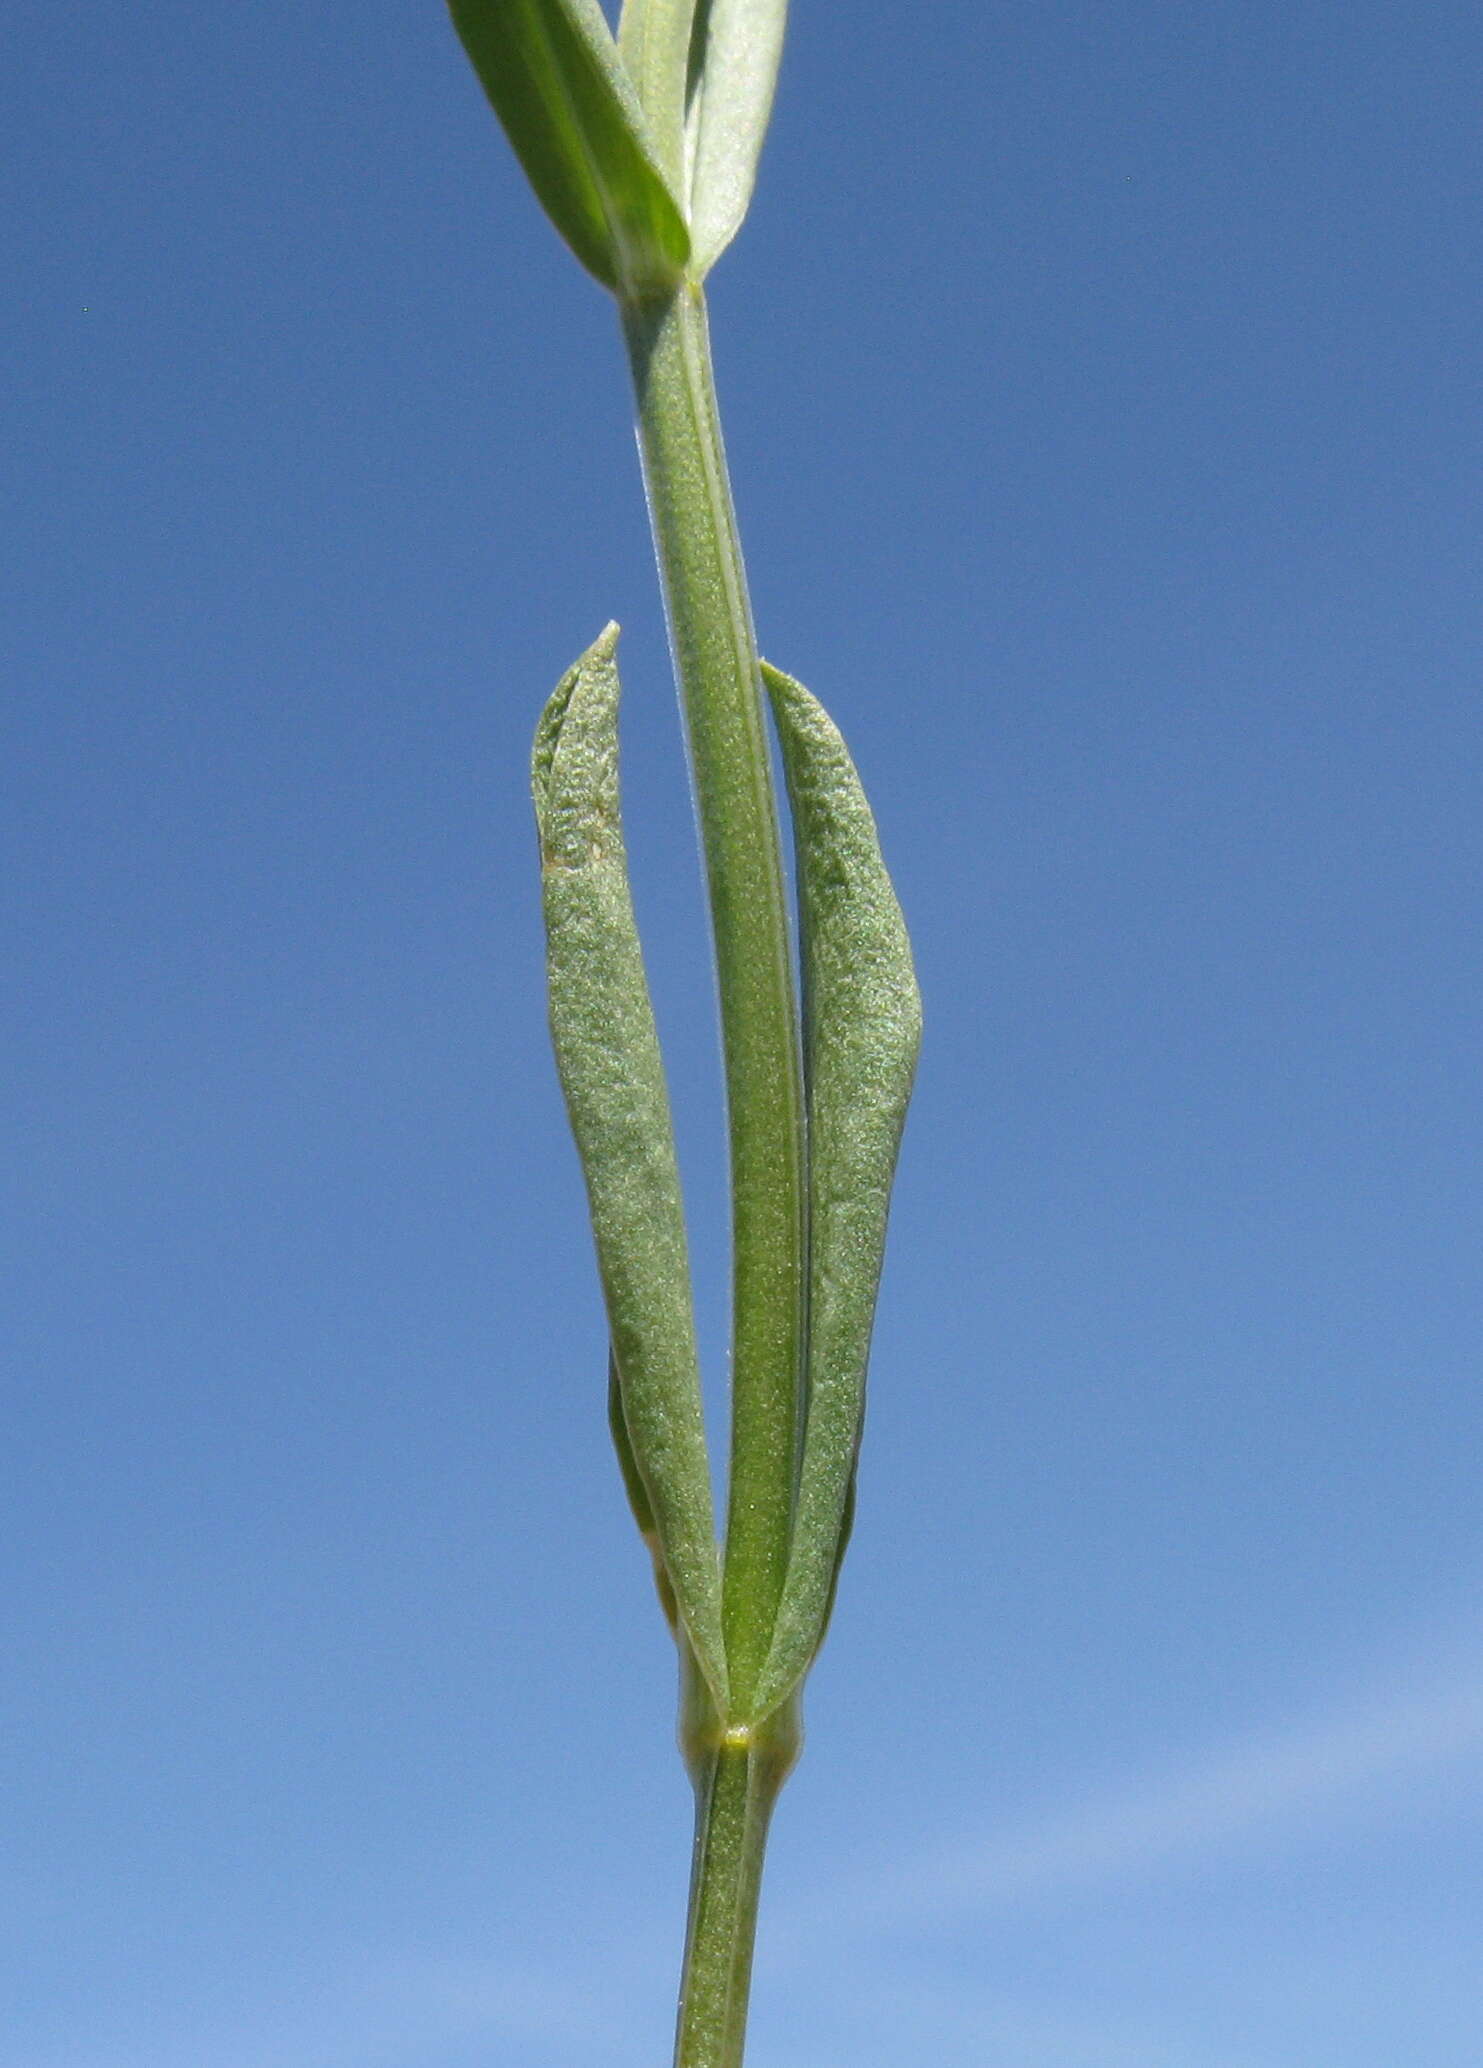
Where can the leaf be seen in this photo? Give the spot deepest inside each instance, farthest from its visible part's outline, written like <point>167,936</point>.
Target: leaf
<point>607,1056</point>
<point>638,1493</point>
<point>552,73</point>
<point>862,1029</point>
<point>654,44</point>
<point>735,49</point>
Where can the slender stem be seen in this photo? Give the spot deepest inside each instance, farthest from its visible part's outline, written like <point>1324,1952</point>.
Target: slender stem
<point>715,655</point>
<point>738,1774</point>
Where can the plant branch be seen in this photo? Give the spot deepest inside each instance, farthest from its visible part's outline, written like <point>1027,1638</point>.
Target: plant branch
<point>738,1774</point>
<point>715,657</point>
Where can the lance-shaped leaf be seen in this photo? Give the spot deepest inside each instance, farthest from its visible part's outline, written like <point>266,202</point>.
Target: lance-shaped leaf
<point>607,1054</point>
<point>734,53</point>
<point>862,1028</point>
<point>654,44</point>
<point>552,73</point>
<point>638,1494</point>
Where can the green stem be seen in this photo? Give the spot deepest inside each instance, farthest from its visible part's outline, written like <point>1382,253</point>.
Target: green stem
<point>715,655</point>
<point>738,1774</point>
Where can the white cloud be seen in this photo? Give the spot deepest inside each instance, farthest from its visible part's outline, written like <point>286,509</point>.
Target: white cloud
<point>1266,1785</point>
<point>379,2013</point>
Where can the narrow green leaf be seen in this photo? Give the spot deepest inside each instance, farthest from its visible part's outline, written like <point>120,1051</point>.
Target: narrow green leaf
<point>607,1055</point>
<point>654,44</point>
<point>862,1028</point>
<point>734,53</point>
<point>638,1494</point>
<point>553,75</point>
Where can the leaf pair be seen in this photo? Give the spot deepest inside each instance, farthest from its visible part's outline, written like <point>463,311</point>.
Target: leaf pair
<point>862,1025</point>
<point>706,71</point>
<point>643,151</point>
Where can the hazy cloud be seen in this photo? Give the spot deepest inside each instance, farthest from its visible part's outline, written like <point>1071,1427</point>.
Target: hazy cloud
<point>1263,1785</point>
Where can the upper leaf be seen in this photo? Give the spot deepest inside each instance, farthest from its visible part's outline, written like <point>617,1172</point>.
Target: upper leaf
<point>553,75</point>
<point>734,53</point>
<point>654,44</point>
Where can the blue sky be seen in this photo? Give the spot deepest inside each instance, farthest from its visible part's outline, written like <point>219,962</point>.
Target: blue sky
<point>1102,388</point>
